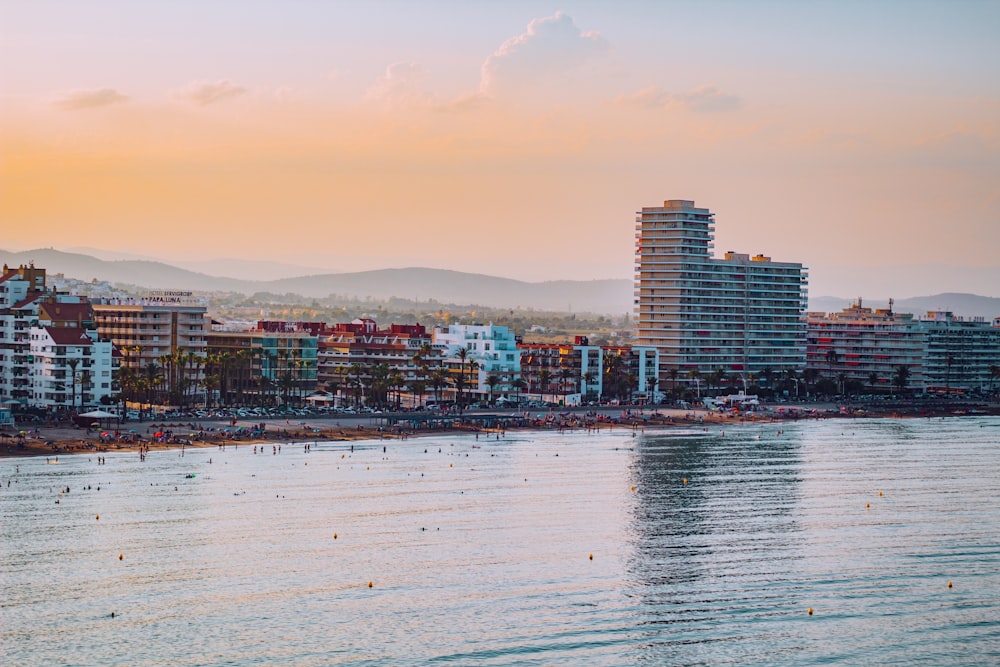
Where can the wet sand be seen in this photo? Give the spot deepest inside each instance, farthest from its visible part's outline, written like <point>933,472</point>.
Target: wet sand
<point>41,440</point>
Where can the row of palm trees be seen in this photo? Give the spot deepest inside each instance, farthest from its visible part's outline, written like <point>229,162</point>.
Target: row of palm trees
<point>619,380</point>
<point>788,380</point>
<point>222,378</point>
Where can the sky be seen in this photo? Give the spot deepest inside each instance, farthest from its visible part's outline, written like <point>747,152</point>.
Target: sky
<point>516,139</point>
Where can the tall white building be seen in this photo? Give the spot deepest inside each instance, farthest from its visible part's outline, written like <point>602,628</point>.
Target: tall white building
<point>739,314</point>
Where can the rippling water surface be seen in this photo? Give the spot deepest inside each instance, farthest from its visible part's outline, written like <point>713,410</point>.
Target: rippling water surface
<point>708,548</point>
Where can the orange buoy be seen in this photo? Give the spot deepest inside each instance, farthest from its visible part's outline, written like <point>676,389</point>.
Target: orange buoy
<point>591,556</point>
<point>810,611</point>
<point>98,517</point>
<point>949,584</point>
<point>633,488</point>
<point>121,557</point>
<point>685,480</point>
<point>370,584</point>
<point>879,494</point>
<point>335,536</point>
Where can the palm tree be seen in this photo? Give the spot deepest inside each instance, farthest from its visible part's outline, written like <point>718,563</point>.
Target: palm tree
<point>72,363</point>
<point>831,359</point>
<point>85,379</point>
<point>792,376</point>
<point>463,355</point>
<point>674,373</point>
<point>418,387</point>
<point>651,383</point>
<point>438,381</point>
<point>152,377</point>
<point>210,383</point>
<point>492,380</point>
<point>588,379</point>
<point>614,368</point>
<point>396,383</point>
<point>901,377</point>
<point>544,376</point>
<point>810,375</point>
<point>695,376</point>
<point>715,379</point>
<point>873,379</point>
<point>768,375</point>
<point>517,385</point>
<point>564,373</point>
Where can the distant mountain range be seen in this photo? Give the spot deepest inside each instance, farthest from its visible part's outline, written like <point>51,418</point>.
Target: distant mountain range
<point>612,296</point>
<point>595,296</point>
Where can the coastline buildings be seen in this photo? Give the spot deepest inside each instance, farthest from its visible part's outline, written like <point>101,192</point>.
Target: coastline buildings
<point>865,346</point>
<point>272,363</point>
<point>959,353</point>
<point>942,353</point>
<point>161,337</point>
<point>482,358</point>
<point>51,355</point>
<point>357,355</point>
<point>738,315</point>
<point>579,371</point>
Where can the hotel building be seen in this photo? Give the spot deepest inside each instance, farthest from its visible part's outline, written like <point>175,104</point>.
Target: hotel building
<point>349,353</point>
<point>865,346</point>
<point>739,314</point>
<point>275,361</point>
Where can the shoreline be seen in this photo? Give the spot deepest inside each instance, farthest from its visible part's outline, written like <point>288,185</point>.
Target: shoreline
<point>162,436</point>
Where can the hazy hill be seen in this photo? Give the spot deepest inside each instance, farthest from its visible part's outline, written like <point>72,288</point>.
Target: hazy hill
<point>140,272</point>
<point>596,296</point>
<point>600,296</point>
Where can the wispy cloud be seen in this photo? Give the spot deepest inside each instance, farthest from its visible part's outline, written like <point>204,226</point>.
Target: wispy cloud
<point>702,99</point>
<point>204,93</point>
<point>551,48</point>
<point>90,99</point>
<point>400,86</point>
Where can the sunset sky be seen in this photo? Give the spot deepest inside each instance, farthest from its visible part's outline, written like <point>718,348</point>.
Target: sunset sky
<point>511,138</point>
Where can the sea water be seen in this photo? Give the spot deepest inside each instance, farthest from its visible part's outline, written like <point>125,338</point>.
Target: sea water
<point>669,547</point>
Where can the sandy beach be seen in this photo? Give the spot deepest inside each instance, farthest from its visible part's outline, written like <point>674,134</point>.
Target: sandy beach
<point>44,440</point>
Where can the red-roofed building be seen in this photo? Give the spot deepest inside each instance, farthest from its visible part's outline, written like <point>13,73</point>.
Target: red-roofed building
<point>351,354</point>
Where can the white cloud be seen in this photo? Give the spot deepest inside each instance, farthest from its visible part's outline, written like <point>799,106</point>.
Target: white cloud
<point>545,56</point>
<point>702,99</point>
<point>211,92</point>
<point>90,99</point>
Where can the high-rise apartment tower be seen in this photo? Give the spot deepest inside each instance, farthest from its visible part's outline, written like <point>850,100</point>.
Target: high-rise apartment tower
<point>740,315</point>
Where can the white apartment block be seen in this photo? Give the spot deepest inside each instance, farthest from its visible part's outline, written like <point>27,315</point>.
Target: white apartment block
<point>50,353</point>
<point>740,314</point>
<point>493,348</point>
